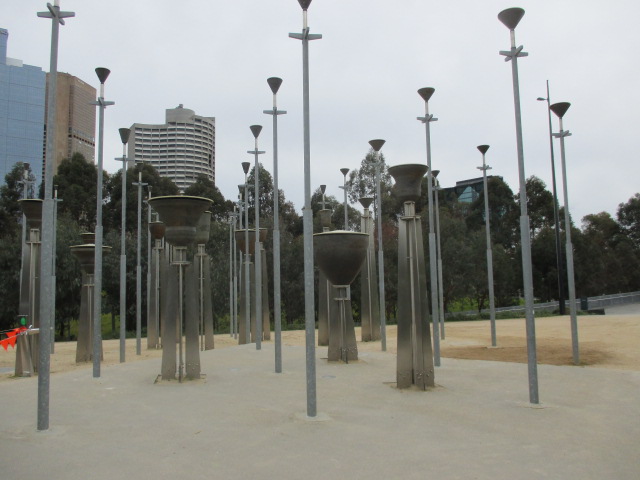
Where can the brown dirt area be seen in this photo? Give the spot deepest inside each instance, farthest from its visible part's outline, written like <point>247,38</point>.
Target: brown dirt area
<point>606,341</point>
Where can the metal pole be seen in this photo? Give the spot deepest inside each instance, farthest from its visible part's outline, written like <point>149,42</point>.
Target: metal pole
<point>256,129</point>
<point>53,268</point>
<point>149,265</point>
<point>510,18</point>
<point>492,306</point>
<point>556,215</point>
<point>247,257</point>
<point>124,136</point>
<point>231,222</point>
<point>426,94</point>
<point>102,73</point>
<point>305,37</point>
<point>436,188</point>
<point>274,84</point>
<point>344,187</point>
<point>57,19</point>
<point>377,145</point>
<point>560,109</point>
<point>139,184</point>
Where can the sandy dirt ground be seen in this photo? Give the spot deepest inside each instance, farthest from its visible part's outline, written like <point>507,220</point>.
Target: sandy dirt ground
<point>606,341</point>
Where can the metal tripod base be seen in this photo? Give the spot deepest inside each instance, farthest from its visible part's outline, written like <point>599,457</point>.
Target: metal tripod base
<point>415,355</point>
<point>342,337</point>
<point>324,308</point>
<point>242,318</point>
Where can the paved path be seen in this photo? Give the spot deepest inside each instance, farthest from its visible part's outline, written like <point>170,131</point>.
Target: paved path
<point>247,422</point>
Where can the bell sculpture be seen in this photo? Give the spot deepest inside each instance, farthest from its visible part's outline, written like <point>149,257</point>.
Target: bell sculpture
<point>340,256</point>
<point>181,215</point>
<point>85,253</point>
<point>415,356</point>
<point>29,306</point>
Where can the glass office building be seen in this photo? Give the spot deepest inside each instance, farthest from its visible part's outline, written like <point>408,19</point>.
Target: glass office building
<point>22,102</point>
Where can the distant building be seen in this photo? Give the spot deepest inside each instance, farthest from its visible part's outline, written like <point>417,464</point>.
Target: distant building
<point>22,113</point>
<point>180,149</point>
<point>467,191</point>
<point>75,119</point>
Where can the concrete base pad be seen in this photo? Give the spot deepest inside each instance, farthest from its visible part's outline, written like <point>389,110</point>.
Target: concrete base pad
<point>246,421</point>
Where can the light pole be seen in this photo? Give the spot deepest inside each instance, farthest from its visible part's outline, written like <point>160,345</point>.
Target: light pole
<point>139,184</point>
<point>560,109</point>
<point>436,188</point>
<point>256,129</point>
<point>124,136</point>
<point>344,187</point>
<point>377,145</point>
<point>492,306</point>
<point>510,18</point>
<point>48,233</point>
<point>232,221</point>
<point>102,104</point>
<point>274,85</point>
<point>309,310</point>
<point>247,256</point>
<point>556,215</point>
<point>426,94</point>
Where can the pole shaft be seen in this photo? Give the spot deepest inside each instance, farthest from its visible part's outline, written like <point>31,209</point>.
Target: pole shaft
<point>97,292</point>
<point>258,253</point>
<point>556,215</point>
<point>525,241</point>
<point>277,313</point>
<point>383,319</point>
<point>139,273</point>
<point>308,241</point>
<point>432,247</point>
<point>492,306</point>
<point>123,260</point>
<point>569,248</point>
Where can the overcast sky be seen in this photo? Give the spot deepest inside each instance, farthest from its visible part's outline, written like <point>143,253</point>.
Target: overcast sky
<point>214,56</point>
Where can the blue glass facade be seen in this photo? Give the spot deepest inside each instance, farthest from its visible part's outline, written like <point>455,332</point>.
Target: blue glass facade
<point>22,102</point>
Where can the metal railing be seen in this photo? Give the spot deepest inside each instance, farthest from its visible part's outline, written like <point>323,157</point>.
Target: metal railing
<point>584,304</point>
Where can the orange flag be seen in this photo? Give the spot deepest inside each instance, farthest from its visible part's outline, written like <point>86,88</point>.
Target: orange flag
<point>12,337</point>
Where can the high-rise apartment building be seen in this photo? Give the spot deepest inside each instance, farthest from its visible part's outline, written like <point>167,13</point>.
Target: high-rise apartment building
<point>180,149</point>
<point>22,113</point>
<point>75,119</point>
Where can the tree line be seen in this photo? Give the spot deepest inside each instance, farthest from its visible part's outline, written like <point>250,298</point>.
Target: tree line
<point>606,249</point>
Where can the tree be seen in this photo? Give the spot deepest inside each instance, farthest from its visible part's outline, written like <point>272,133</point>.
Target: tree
<point>503,213</point>
<point>629,218</point>
<point>539,204</point>
<point>203,187</point>
<point>10,193</point>
<point>77,182</point>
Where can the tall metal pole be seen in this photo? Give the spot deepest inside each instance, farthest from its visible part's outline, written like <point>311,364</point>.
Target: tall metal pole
<point>46,289</point>
<point>510,18</point>
<point>124,136</point>
<point>274,85</point>
<point>492,305</point>
<point>232,220</point>
<point>556,215</point>
<point>344,187</point>
<point>305,37</point>
<point>139,184</point>
<point>436,188</point>
<point>149,264</point>
<point>377,145</point>
<point>256,129</point>
<point>53,268</point>
<point>560,109</point>
<point>426,94</point>
<point>247,256</point>
<point>102,73</point>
